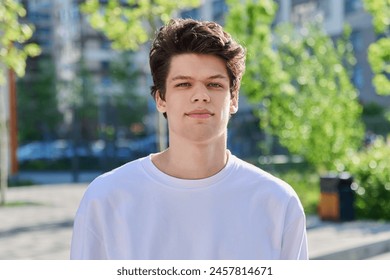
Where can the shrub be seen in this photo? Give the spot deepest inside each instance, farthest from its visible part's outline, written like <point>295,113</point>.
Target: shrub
<point>370,168</point>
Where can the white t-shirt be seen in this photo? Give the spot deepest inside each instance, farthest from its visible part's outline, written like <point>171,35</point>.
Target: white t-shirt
<point>138,212</point>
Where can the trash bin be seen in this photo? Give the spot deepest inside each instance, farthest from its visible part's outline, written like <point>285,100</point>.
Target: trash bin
<point>336,198</point>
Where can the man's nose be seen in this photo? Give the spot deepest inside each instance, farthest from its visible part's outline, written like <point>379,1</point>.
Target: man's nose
<point>200,94</point>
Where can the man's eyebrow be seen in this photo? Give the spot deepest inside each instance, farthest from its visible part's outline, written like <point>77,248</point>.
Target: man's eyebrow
<point>183,77</point>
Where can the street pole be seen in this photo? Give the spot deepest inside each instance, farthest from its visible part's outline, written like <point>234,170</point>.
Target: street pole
<point>13,123</point>
<point>161,132</point>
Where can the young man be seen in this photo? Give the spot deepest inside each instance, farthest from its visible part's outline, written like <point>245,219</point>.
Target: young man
<point>194,200</point>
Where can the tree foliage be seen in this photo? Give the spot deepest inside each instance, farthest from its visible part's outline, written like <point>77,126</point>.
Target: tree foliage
<point>11,32</point>
<point>265,77</point>
<point>379,51</point>
<point>11,57</point>
<point>370,168</point>
<point>129,25</point>
<point>298,79</point>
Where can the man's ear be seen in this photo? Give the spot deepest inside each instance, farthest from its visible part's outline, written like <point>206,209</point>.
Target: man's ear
<point>160,103</point>
<point>234,103</point>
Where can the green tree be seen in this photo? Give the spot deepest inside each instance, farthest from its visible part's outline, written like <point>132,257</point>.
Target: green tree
<point>38,114</point>
<point>379,51</point>
<point>371,173</point>
<point>11,32</point>
<point>322,121</point>
<point>131,25</point>
<point>264,78</point>
<point>304,92</point>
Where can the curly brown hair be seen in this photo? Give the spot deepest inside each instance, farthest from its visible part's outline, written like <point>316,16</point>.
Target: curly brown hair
<point>182,36</point>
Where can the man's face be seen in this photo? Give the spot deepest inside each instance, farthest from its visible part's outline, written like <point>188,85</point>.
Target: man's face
<point>198,102</point>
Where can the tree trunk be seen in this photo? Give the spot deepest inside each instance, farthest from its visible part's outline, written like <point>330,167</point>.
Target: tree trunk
<point>3,143</point>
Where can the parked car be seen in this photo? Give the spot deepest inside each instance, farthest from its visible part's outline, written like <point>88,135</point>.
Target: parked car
<point>41,150</point>
<point>62,150</point>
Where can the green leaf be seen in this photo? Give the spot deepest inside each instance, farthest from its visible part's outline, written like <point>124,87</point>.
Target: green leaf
<point>379,51</point>
<point>32,50</point>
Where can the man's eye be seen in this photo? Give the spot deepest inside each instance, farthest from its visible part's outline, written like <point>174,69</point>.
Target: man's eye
<point>215,85</point>
<point>183,85</point>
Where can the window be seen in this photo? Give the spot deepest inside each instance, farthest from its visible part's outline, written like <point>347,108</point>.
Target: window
<point>105,66</point>
<point>304,12</point>
<point>351,6</point>
<point>357,40</point>
<point>193,13</point>
<point>358,77</point>
<point>219,10</point>
<point>105,44</point>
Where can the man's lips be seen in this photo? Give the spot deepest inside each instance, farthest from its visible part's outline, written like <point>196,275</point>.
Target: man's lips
<point>199,114</point>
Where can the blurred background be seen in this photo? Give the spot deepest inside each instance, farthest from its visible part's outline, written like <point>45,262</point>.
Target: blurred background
<point>314,99</point>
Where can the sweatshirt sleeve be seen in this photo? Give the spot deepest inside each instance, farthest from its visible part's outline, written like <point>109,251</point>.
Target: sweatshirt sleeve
<point>294,243</point>
<point>86,243</point>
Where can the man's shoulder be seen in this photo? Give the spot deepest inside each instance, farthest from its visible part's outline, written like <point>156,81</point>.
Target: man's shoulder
<point>255,176</point>
<point>123,171</point>
<point>250,169</point>
<point>119,178</point>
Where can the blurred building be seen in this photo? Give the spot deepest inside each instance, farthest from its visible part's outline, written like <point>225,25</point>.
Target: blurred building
<point>67,39</point>
<point>39,13</point>
<point>56,25</point>
<point>65,35</point>
<point>335,13</point>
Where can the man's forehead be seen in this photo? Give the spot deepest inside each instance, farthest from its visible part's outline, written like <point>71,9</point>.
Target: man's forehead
<point>197,66</point>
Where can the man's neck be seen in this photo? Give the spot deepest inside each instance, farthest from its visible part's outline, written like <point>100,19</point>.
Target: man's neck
<point>192,161</point>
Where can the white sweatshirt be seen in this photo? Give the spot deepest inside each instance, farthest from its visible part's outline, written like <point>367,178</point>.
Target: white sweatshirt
<point>138,212</point>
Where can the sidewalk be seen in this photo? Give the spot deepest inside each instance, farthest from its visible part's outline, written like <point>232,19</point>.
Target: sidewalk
<point>355,240</point>
<point>42,228</point>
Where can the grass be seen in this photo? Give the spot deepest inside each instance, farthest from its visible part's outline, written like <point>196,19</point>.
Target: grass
<point>19,203</point>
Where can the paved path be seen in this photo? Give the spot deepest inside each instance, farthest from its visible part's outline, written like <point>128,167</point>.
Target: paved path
<point>42,228</point>
<point>353,240</point>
